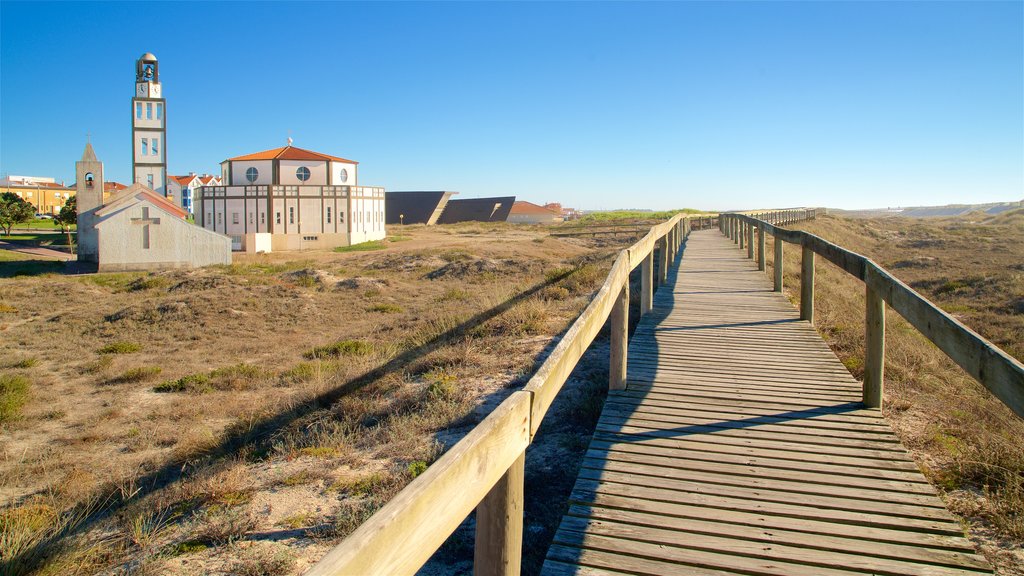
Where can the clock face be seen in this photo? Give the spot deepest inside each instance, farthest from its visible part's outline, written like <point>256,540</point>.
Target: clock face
<point>142,89</point>
<point>156,91</point>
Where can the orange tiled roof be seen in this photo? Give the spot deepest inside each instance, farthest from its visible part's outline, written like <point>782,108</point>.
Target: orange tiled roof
<point>290,153</point>
<point>523,207</point>
<point>209,180</point>
<point>183,180</point>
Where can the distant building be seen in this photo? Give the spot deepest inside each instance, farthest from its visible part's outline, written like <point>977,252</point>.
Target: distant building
<point>183,188</point>
<point>45,194</point>
<point>291,199</point>
<point>422,207</point>
<point>418,207</point>
<point>494,209</point>
<point>136,228</point>
<point>529,213</point>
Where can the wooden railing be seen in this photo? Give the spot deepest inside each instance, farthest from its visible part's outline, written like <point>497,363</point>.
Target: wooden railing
<point>485,469</point>
<point>1002,374</point>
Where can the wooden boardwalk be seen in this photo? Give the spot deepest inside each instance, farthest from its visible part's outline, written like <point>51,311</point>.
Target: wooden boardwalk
<point>741,447</point>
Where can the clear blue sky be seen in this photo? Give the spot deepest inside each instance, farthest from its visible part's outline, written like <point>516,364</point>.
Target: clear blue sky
<point>596,105</point>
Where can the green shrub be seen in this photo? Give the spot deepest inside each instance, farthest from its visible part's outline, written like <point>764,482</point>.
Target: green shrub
<point>237,377</point>
<point>194,383</point>
<point>416,468</point>
<point>13,395</point>
<point>120,347</point>
<point>340,348</point>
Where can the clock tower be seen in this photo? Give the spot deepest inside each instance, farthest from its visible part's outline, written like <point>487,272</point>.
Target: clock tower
<point>149,127</point>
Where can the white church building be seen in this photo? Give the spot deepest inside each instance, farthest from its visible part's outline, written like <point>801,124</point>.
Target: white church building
<point>291,199</point>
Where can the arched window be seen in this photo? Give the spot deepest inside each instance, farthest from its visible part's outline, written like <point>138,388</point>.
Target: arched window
<point>88,179</point>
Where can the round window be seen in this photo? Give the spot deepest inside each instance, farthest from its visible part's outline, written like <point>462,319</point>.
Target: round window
<point>302,173</point>
<point>344,175</point>
<point>252,174</point>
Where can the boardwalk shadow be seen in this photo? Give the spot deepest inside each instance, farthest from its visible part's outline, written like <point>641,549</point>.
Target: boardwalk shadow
<point>259,433</point>
<point>712,326</point>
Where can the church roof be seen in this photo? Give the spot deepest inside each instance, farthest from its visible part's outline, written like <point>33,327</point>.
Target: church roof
<point>138,191</point>
<point>524,207</point>
<point>290,153</point>
<point>89,155</point>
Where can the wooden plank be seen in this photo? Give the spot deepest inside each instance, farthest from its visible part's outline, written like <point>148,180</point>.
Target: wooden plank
<point>587,489</point>
<point>431,507</point>
<point>741,551</point>
<point>688,560</point>
<point>767,468</point>
<point>499,525</point>
<point>767,520</point>
<point>794,484</point>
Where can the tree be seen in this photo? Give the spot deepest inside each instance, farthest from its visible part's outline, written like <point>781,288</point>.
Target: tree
<point>14,210</point>
<point>67,218</point>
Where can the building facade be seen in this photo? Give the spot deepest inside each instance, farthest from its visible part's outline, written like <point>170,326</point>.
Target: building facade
<point>529,213</point>
<point>183,188</point>
<point>149,127</point>
<point>45,194</point>
<point>136,228</point>
<point>291,199</point>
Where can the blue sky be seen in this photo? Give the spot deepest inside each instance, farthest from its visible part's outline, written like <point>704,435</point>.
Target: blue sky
<point>597,105</point>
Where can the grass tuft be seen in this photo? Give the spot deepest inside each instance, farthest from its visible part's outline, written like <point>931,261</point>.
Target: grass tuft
<point>339,349</point>
<point>119,347</point>
<point>134,375</point>
<point>14,390</point>
<point>362,247</point>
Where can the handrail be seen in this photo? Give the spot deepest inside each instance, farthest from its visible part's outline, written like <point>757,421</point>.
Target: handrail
<point>996,370</point>
<point>484,470</point>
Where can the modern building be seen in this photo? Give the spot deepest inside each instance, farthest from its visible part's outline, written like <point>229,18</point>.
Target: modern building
<point>529,213</point>
<point>45,194</point>
<point>291,199</point>
<point>415,207</point>
<point>183,188</point>
<point>149,127</point>
<point>137,228</point>
<point>494,209</point>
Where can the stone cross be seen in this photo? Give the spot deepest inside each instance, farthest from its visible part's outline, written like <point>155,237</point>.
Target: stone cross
<point>145,221</point>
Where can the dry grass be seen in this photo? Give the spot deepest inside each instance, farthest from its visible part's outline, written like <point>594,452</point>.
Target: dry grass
<point>966,441</point>
<point>318,386</point>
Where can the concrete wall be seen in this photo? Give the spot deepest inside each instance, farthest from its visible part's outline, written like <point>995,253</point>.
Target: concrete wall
<point>265,167</point>
<point>317,172</point>
<point>337,180</point>
<point>173,243</point>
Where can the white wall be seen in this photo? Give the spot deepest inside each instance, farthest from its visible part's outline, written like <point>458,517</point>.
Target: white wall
<point>337,167</point>
<point>317,172</point>
<point>150,157</point>
<point>238,168</point>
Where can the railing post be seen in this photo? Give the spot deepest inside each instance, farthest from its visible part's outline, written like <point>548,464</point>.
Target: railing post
<point>874,348</point>
<point>743,233</point>
<point>663,260</point>
<point>620,336</point>
<point>760,248</point>
<point>647,283</point>
<point>779,264</point>
<point>499,525</point>
<point>807,285</point>
<point>750,241</point>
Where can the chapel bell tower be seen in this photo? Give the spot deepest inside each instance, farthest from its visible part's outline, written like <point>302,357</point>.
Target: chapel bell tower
<point>149,128</point>
<point>89,198</point>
